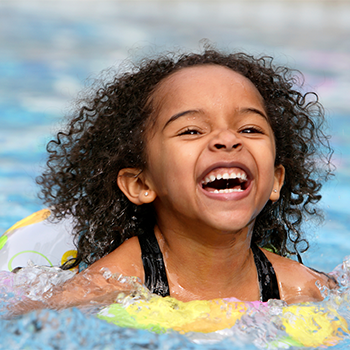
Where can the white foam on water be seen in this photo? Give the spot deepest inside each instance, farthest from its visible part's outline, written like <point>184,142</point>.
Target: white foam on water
<point>260,327</point>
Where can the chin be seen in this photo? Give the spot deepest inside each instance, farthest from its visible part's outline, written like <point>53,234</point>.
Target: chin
<point>232,227</point>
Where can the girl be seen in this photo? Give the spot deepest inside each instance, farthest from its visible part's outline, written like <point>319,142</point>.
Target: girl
<point>182,170</point>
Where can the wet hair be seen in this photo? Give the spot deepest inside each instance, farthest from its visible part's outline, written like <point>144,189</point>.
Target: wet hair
<point>108,130</point>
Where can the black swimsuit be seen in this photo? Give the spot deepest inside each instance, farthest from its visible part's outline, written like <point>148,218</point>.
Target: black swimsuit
<point>157,282</point>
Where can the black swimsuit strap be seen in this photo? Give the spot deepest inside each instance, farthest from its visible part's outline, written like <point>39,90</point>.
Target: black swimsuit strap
<point>157,282</point>
<point>155,274</point>
<point>266,275</point>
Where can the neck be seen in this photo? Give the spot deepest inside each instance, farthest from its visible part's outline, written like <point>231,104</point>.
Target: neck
<point>207,263</point>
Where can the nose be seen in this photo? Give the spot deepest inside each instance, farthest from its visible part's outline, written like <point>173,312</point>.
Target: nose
<point>225,140</point>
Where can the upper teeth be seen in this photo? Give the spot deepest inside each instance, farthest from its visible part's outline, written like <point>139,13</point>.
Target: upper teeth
<point>225,176</point>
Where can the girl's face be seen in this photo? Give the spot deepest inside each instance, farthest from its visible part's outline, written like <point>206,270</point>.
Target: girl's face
<point>211,153</point>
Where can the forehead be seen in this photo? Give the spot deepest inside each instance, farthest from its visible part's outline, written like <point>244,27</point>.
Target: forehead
<point>213,80</point>
<point>204,86</point>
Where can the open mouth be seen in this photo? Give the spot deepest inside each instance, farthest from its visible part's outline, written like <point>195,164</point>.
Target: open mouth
<point>225,181</point>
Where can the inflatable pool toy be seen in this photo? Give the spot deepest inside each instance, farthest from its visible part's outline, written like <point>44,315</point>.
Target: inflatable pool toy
<point>35,238</point>
<point>305,325</point>
<point>160,315</point>
<point>38,240</point>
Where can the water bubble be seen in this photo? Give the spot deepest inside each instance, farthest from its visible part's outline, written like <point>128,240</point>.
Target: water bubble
<point>263,325</point>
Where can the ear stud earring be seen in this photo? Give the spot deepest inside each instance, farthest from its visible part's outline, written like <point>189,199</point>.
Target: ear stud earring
<point>146,194</point>
<point>275,190</point>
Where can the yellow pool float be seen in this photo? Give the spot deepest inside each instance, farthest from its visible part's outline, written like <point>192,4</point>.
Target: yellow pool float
<point>305,325</point>
<point>38,240</point>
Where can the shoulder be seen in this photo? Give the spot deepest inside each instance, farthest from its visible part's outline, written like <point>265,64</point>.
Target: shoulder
<point>91,285</point>
<point>297,283</point>
<point>126,260</point>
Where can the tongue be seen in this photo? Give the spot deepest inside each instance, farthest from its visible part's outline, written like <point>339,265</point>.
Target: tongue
<point>223,184</point>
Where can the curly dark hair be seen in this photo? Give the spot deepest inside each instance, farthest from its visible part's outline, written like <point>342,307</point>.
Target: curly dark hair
<point>108,131</point>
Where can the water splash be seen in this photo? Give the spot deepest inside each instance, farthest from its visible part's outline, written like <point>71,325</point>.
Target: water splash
<point>262,326</point>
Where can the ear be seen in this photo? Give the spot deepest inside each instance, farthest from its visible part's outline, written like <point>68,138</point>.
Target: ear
<point>278,183</point>
<point>132,183</point>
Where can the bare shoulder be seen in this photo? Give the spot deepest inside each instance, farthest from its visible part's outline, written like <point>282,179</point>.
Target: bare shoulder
<point>126,259</point>
<point>91,284</point>
<point>297,283</point>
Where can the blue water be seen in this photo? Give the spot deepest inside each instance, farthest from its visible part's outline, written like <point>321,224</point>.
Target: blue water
<point>49,49</point>
<point>50,330</point>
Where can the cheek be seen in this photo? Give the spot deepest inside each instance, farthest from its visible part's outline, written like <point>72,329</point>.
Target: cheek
<point>163,168</point>
<point>177,165</point>
<point>269,170</point>
<point>175,168</point>
<point>267,163</point>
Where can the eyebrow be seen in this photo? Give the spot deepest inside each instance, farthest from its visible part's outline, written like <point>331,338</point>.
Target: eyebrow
<point>178,115</point>
<point>254,110</point>
<point>191,111</point>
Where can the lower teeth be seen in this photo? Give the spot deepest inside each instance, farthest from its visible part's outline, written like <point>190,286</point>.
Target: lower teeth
<point>229,190</point>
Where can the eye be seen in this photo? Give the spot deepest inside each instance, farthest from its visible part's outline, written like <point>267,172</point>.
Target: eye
<point>189,131</point>
<point>252,130</point>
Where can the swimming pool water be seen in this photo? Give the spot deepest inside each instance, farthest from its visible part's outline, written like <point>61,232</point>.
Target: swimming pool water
<point>73,330</point>
<point>261,326</point>
<point>48,49</point>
